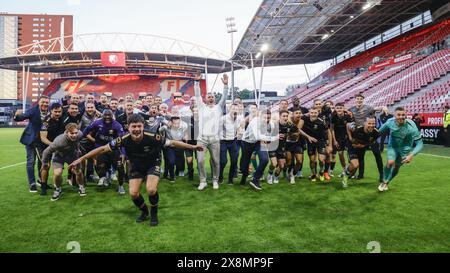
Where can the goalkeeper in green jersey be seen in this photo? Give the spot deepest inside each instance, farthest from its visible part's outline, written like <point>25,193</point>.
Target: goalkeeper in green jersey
<point>405,142</point>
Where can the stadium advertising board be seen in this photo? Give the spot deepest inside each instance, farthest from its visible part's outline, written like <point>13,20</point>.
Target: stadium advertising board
<point>390,61</point>
<point>431,128</point>
<point>121,85</point>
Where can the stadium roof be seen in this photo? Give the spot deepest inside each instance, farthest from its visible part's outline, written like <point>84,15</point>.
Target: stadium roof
<point>310,31</point>
<point>142,51</point>
<point>78,61</point>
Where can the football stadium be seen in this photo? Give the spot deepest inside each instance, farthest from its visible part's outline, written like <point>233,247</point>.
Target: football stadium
<point>121,142</point>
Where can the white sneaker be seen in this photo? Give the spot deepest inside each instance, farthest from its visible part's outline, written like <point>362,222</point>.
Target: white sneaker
<point>101,181</point>
<point>276,180</point>
<point>383,187</point>
<point>215,185</point>
<point>202,186</point>
<point>299,174</point>
<point>107,182</point>
<point>95,177</point>
<point>331,173</point>
<point>269,179</point>
<point>121,190</point>
<point>113,176</point>
<point>82,190</point>
<point>292,179</point>
<point>181,174</point>
<point>262,178</point>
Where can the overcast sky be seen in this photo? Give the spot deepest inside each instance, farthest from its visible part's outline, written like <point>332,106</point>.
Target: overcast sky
<point>198,21</point>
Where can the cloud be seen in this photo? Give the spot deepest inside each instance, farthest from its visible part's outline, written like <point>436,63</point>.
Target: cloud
<point>73,2</point>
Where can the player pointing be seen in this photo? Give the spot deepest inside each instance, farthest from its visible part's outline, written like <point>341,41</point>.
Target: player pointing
<point>144,153</point>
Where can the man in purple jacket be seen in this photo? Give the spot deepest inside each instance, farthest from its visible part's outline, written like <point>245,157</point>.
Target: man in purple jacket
<point>101,132</point>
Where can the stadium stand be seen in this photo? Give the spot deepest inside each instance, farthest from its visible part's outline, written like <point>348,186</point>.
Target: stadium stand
<point>373,80</point>
<point>408,42</point>
<point>425,72</point>
<point>432,100</point>
<point>409,80</point>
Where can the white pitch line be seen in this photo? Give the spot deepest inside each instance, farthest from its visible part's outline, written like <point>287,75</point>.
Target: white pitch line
<point>13,165</point>
<point>441,156</point>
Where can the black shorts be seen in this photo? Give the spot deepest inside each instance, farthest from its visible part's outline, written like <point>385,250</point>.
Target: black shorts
<point>317,147</point>
<point>279,153</point>
<point>141,170</point>
<point>272,154</point>
<point>190,153</point>
<point>109,158</point>
<point>354,152</point>
<point>342,143</point>
<point>294,147</point>
<point>86,146</point>
<point>304,143</point>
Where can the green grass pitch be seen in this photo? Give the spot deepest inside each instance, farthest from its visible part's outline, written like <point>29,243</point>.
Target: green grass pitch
<point>413,216</point>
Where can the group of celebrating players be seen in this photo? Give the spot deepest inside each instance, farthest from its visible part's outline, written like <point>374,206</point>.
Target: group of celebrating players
<point>131,137</point>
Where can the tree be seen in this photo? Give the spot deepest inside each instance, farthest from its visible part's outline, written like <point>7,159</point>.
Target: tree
<point>245,94</point>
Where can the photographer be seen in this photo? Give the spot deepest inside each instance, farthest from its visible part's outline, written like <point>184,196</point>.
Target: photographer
<point>382,118</point>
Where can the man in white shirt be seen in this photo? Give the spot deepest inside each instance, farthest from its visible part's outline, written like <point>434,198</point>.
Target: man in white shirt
<point>230,125</point>
<point>260,137</point>
<point>209,115</point>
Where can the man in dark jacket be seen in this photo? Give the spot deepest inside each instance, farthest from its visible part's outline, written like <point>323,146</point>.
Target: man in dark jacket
<point>30,136</point>
<point>382,118</point>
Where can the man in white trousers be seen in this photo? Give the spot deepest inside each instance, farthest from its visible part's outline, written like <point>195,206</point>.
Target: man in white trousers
<point>209,116</point>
